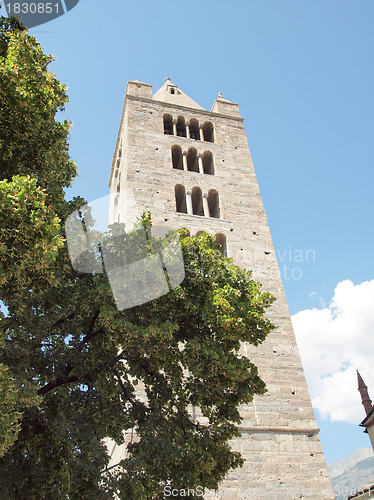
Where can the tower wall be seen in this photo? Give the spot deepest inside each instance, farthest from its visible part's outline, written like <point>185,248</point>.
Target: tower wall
<point>280,441</point>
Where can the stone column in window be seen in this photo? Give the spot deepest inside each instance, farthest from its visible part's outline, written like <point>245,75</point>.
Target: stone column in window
<point>206,205</point>
<point>200,161</point>
<point>201,134</point>
<point>185,166</point>
<point>188,130</point>
<point>174,127</point>
<point>189,202</point>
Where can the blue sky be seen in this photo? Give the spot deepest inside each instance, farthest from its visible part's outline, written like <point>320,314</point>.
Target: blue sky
<point>302,73</point>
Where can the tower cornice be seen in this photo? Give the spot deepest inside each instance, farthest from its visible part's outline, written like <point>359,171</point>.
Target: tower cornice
<point>201,112</point>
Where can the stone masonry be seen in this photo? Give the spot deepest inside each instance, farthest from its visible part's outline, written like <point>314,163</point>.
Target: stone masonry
<point>280,440</point>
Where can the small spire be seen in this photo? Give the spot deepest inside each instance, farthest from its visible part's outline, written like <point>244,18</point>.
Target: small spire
<point>366,401</point>
<point>168,79</point>
<point>220,96</point>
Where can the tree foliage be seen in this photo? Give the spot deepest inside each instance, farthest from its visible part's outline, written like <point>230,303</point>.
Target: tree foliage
<point>32,141</point>
<point>74,370</point>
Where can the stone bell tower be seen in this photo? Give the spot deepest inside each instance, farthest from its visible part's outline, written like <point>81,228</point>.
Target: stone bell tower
<point>192,168</point>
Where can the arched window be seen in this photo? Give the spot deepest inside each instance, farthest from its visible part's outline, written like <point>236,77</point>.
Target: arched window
<point>213,203</point>
<point>208,132</point>
<point>118,187</point>
<point>192,163</point>
<point>177,157</point>
<point>180,199</point>
<point>208,165</point>
<point>194,129</point>
<point>200,232</point>
<point>168,125</point>
<point>221,240</point>
<point>197,201</point>
<point>181,127</point>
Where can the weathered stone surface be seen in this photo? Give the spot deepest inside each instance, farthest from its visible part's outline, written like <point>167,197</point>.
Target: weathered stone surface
<point>280,442</point>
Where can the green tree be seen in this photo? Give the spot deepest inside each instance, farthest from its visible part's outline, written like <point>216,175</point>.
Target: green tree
<point>29,227</point>
<point>71,362</point>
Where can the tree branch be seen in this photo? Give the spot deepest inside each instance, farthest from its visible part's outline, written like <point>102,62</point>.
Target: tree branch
<point>62,320</point>
<point>59,381</point>
<point>123,387</point>
<point>56,383</point>
<point>90,333</point>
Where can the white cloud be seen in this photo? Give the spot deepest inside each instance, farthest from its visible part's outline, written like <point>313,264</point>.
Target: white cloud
<point>334,342</point>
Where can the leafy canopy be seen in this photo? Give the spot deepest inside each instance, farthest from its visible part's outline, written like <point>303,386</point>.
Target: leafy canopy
<point>73,369</point>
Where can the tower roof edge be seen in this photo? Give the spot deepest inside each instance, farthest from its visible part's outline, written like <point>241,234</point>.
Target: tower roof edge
<point>139,89</point>
<point>172,94</point>
<point>225,107</point>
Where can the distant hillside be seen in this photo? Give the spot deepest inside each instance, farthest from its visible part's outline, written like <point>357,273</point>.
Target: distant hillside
<point>337,468</point>
<point>352,473</point>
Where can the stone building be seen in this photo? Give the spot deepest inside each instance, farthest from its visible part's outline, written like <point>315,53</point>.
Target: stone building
<point>366,491</point>
<point>192,168</point>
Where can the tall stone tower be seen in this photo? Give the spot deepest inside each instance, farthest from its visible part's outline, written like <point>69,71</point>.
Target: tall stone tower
<point>192,168</point>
